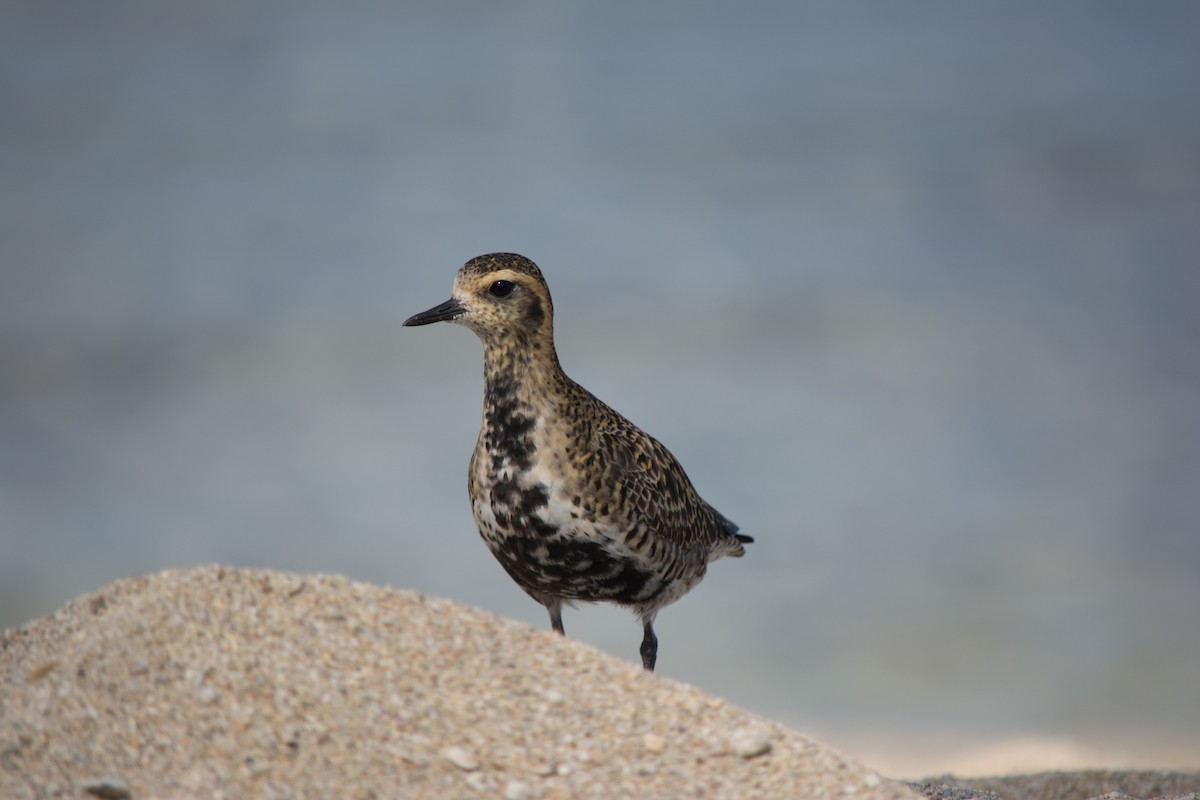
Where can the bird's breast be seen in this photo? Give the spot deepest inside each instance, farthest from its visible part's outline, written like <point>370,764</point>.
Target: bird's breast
<point>524,487</point>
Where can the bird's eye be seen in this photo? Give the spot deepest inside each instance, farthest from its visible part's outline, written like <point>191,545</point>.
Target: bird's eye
<point>501,288</point>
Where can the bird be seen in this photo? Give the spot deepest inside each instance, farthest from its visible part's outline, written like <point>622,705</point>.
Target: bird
<point>576,502</point>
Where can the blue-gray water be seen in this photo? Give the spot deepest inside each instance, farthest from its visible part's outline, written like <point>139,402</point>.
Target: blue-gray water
<point>911,290</point>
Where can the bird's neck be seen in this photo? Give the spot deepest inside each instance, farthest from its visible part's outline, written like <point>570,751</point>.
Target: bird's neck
<point>522,391</point>
<point>525,372</point>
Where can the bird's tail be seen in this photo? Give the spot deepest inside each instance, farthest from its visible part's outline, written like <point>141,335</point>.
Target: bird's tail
<point>731,546</point>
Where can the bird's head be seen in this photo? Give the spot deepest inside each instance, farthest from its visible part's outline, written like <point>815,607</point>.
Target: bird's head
<point>501,296</point>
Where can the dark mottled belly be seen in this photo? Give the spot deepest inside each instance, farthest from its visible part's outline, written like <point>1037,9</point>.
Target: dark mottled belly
<point>555,567</point>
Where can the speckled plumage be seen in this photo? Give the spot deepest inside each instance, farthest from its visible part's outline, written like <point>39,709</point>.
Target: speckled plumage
<point>574,501</point>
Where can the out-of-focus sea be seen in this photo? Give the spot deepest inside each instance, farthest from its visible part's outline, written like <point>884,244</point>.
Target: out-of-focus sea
<point>912,291</point>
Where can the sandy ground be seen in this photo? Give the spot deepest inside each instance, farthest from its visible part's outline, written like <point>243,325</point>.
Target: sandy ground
<point>231,683</point>
<point>228,683</point>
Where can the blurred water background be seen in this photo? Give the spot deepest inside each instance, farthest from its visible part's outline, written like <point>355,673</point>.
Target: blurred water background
<point>910,289</point>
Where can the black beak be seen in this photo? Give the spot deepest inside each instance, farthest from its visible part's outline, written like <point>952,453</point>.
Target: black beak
<point>449,310</point>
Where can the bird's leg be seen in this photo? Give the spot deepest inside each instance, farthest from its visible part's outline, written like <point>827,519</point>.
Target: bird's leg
<point>649,648</point>
<point>555,609</point>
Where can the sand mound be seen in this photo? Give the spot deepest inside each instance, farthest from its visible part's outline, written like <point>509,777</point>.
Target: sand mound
<point>234,683</point>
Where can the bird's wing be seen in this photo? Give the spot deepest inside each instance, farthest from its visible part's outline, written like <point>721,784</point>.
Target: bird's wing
<point>656,490</point>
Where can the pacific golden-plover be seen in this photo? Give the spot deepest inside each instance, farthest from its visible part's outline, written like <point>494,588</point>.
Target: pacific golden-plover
<point>573,500</point>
